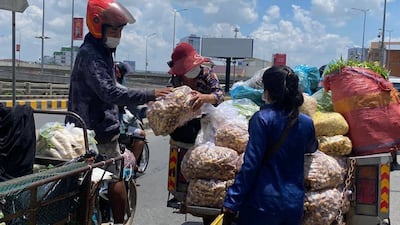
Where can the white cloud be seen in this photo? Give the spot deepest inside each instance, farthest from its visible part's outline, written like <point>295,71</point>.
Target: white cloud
<point>303,39</point>
<point>339,12</point>
<point>273,12</point>
<point>302,16</point>
<point>309,32</point>
<point>211,8</point>
<point>60,22</point>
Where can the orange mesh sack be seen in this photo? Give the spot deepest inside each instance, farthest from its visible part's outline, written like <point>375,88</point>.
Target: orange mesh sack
<point>371,107</point>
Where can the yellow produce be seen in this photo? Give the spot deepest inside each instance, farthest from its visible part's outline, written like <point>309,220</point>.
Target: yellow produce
<point>337,145</point>
<point>330,124</point>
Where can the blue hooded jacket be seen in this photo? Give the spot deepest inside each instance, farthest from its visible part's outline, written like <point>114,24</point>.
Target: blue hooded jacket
<point>93,93</point>
<point>276,186</point>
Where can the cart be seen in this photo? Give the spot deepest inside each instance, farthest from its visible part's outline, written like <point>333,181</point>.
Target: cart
<point>59,195</point>
<point>370,195</point>
<point>369,182</point>
<point>177,186</point>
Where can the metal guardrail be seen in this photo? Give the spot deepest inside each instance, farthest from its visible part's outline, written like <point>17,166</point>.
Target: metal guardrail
<point>31,88</point>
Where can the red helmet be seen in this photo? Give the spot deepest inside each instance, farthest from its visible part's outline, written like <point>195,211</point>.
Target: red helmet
<point>106,12</point>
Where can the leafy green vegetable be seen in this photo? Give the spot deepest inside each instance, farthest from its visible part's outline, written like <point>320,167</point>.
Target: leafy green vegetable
<point>338,65</point>
<point>245,107</point>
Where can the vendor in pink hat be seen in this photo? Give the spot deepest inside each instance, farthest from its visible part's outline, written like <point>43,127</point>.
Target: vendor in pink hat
<point>189,68</point>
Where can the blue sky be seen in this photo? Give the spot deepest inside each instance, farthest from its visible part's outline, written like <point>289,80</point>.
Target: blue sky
<point>309,32</point>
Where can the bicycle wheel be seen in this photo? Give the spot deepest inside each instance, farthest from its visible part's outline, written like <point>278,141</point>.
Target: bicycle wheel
<point>143,160</point>
<point>131,202</point>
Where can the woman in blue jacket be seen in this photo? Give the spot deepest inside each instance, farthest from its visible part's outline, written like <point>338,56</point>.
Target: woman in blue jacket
<point>272,192</point>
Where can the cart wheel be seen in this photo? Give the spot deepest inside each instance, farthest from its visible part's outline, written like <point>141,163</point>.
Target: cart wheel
<point>143,160</point>
<point>131,202</point>
<point>386,221</point>
<point>207,220</point>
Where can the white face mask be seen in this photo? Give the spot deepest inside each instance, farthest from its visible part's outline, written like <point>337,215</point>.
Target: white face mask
<point>193,73</point>
<point>112,42</point>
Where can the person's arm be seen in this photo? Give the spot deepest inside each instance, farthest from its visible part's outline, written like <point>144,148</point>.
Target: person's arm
<point>104,85</point>
<point>198,99</point>
<point>216,89</point>
<point>215,97</point>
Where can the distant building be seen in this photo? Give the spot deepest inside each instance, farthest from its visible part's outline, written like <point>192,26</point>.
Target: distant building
<point>242,69</point>
<point>251,66</point>
<point>355,54</point>
<point>194,41</point>
<point>63,57</point>
<point>391,56</point>
<point>48,60</point>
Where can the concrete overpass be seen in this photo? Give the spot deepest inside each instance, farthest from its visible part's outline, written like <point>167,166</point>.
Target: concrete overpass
<point>30,72</point>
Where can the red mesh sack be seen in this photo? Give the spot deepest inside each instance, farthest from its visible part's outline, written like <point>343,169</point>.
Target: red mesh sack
<point>371,107</point>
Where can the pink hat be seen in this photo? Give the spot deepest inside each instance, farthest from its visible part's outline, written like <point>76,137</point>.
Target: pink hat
<point>185,58</point>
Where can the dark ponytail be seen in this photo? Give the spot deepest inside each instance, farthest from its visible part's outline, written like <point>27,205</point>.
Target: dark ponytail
<point>282,85</point>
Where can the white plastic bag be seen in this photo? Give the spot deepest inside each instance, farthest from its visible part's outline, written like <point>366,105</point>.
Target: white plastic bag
<point>171,112</point>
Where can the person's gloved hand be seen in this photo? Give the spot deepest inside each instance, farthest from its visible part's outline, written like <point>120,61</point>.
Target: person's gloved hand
<point>229,216</point>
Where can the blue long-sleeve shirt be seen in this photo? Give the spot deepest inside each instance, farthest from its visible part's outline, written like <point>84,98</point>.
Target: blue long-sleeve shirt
<point>93,93</point>
<point>278,184</point>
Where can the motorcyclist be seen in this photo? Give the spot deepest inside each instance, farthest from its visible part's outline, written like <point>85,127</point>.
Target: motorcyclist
<point>131,134</point>
<point>93,93</point>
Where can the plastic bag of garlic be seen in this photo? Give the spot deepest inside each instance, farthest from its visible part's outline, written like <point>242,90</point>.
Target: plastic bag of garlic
<point>171,112</point>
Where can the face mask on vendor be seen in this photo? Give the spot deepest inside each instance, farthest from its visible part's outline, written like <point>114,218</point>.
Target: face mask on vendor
<point>193,73</point>
<point>112,36</point>
<point>112,42</point>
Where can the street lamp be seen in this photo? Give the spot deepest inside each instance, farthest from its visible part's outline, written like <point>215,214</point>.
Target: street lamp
<point>173,36</point>
<point>42,37</point>
<point>72,35</point>
<point>390,35</point>
<point>146,62</point>
<point>365,14</point>
<point>388,50</point>
<point>383,35</point>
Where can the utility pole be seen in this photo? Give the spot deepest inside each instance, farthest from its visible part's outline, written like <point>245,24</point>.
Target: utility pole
<point>42,37</point>
<point>173,35</point>
<point>381,58</point>
<point>388,57</point>
<point>236,30</point>
<point>363,34</point>
<point>146,61</point>
<point>72,36</point>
